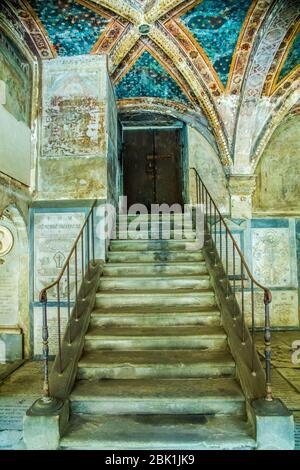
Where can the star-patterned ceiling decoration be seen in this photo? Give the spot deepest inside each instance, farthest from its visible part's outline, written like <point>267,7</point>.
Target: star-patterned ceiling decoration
<point>201,52</point>
<point>148,78</point>
<point>73,28</point>
<point>292,58</point>
<point>216,25</point>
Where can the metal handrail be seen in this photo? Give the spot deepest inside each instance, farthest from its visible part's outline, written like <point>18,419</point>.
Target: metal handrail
<point>84,243</point>
<point>204,197</point>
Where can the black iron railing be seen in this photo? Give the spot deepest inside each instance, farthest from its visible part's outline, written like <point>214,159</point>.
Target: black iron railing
<point>239,280</point>
<point>65,291</point>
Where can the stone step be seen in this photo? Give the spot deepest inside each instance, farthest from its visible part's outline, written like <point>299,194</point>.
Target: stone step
<point>178,337</point>
<point>151,256</point>
<point>156,224</point>
<point>156,235</point>
<point>154,245</point>
<point>165,432</point>
<point>153,283</point>
<point>178,363</point>
<point>165,269</point>
<point>122,218</point>
<point>170,299</point>
<point>190,396</point>
<point>148,317</point>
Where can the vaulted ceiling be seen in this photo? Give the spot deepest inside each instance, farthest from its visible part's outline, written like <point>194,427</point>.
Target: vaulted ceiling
<point>193,54</point>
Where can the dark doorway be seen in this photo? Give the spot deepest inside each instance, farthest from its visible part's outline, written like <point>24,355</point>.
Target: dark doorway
<point>153,166</point>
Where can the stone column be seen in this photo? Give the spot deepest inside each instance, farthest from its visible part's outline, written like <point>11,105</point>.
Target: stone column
<point>241,188</point>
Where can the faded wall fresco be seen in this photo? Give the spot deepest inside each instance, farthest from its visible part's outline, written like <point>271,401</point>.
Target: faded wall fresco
<point>15,71</point>
<point>73,108</point>
<point>73,163</point>
<point>203,155</point>
<point>278,188</point>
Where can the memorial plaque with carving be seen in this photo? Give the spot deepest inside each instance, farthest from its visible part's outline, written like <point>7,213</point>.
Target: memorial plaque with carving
<point>54,234</point>
<point>9,277</point>
<point>6,240</point>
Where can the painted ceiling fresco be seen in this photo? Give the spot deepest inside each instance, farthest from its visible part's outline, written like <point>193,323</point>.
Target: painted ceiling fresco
<point>147,78</point>
<point>72,28</point>
<point>216,25</point>
<point>292,59</point>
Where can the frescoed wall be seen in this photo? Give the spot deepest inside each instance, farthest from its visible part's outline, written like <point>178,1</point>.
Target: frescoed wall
<point>277,186</point>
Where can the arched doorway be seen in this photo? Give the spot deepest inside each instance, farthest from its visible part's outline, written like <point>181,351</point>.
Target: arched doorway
<point>154,159</point>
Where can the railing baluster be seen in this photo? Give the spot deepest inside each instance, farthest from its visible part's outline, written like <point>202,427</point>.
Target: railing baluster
<point>243,302</point>
<point>215,236</point>
<point>227,264</point>
<point>88,245</point>
<point>69,304</point>
<point>59,328</point>
<point>82,256</point>
<point>234,283</point>
<point>45,334</point>
<point>253,326</point>
<point>76,284</point>
<point>267,301</point>
<point>93,237</point>
<point>197,190</point>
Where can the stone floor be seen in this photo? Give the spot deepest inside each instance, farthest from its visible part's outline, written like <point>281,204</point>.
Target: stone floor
<point>23,386</point>
<point>17,393</point>
<point>285,375</point>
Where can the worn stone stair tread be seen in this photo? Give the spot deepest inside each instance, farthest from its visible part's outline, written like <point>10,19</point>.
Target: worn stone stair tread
<point>137,432</point>
<point>154,284</point>
<point>221,389</point>
<point>137,310</point>
<point>166,292</point>
<point>154,245</point>
<point>155,357</point>
<point>170,269</point>
<point>130,332</point>
<point>196,277</point>
<point>151,256</point>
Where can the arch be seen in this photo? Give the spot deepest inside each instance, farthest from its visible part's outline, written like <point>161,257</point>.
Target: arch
<point>19,17</point>
<point>290,98</point>
<point>283,15</point>
<point>179,111</point>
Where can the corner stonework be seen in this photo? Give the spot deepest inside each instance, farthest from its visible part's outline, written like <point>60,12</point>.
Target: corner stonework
<point>241,189</point>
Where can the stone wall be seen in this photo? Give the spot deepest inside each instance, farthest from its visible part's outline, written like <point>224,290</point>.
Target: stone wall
<point>277,186</point>
<point>76,129</point>
<point>15,111</point>
<point>203,155</point>
<point>14,270</point>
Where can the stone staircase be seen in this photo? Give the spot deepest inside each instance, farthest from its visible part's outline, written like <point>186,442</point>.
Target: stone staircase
<point>156,371</point>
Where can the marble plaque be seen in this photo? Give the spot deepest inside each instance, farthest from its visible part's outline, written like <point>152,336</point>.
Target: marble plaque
<point>9,276</point>
<point>6,240</point>
<point>54,234</point>
<point>283,309</point>
<point>271,256</point>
